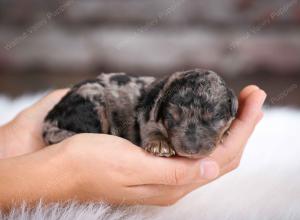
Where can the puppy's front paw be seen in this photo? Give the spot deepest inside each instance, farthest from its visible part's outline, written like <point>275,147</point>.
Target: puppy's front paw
<point>226,134</point>
<point>159,147</point>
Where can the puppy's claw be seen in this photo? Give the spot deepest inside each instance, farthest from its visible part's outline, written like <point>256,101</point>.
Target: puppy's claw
<point>164,150</point>
<point>226,134</point>
<point>159,148</point>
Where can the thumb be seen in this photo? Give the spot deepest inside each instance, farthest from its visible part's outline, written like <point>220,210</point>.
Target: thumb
<point>48,102</point>
<point>178,171</point>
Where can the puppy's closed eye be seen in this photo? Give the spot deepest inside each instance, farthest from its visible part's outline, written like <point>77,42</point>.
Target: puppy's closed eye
<point>175,112</point>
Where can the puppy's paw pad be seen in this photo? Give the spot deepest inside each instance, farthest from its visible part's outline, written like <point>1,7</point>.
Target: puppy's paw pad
<point>159,148</point>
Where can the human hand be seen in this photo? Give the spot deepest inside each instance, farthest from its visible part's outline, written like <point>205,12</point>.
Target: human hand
<point>111,169</point>
<point>122,173</point>
<point>23,134</point>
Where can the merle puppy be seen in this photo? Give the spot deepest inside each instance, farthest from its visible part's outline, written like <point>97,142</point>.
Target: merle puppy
<point>186,113</point>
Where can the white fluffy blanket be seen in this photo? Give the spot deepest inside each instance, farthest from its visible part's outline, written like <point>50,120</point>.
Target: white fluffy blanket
<point>265,186</point>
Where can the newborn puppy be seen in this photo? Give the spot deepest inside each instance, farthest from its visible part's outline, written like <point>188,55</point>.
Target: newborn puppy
<point>186,113</point>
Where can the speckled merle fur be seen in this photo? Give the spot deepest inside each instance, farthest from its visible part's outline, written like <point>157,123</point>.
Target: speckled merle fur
<point>186,113</point>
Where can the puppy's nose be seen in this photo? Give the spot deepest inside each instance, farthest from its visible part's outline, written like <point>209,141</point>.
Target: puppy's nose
<point>192,145</point>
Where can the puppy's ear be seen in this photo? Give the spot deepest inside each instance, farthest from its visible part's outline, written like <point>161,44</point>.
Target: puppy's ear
<point>233,102</point>
<point>149,100</point>
<point>172,84</point>
<point>159,104</point>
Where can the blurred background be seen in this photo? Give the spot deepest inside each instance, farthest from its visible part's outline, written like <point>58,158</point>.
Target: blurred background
<point>51,44</point>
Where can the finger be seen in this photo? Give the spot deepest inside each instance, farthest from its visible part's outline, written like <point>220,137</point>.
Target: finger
<point>244,94</point>
<point>137,167</point>
<point>237,159</point>
<point>259,117</point>
<point>140,168</point>
<point>48,102</point>
<point>252,106</point>
<point>32,118</point>
<point>247,91</point>
<point>241,129</point>
<point>37,112</point>
<point>172,171</point>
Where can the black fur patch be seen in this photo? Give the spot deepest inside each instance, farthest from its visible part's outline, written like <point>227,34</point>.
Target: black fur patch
<point>137,136</point>
<point>89,81</point>
<point>120,79</point>
<point>74,113</point>
<point>147,100</point>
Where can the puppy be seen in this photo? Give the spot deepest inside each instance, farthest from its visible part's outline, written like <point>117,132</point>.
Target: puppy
<point>186,113</point>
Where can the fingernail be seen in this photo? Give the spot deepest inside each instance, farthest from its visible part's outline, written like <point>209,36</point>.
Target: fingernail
<point>209,169</point>
<point>264,96</point>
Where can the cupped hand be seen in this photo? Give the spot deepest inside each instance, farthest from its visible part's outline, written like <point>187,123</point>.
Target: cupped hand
<point>113,169</point>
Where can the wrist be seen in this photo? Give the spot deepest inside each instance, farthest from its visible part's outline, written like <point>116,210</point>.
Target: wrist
<point>45,175</point>
<point>17,139</point>
<point>9,141</point>
<point>4,148</point>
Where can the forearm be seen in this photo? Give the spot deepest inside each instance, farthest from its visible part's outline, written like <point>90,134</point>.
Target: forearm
<point>3,142</point>
<point>16,140</point>
<point>9,145</point>
<point>42,175</point>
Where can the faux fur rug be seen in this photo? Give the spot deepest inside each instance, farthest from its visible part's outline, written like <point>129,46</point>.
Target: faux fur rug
<point>265,186</point>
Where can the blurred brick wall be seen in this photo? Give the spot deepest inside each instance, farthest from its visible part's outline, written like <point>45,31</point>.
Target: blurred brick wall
<point>55,43</point>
